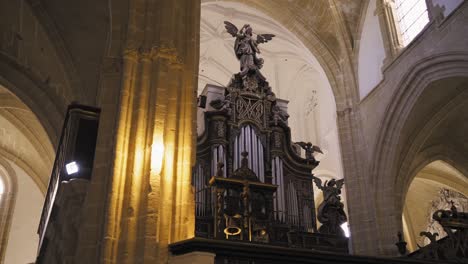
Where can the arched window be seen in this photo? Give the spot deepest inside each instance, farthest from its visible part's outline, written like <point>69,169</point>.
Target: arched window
<point>412,17</point>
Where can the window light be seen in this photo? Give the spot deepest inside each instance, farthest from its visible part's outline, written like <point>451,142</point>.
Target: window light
<point>412,17</point>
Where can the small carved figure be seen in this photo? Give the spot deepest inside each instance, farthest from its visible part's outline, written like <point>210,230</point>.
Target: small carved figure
<point>269,94</point>
<point>309,149</point>
<point>453,208</point>
<point>279,114</point>
<point>401,244</point>
<point>227,104</point>
<point>331,211</point>
<point>430,251</point>
<point>246,48</point>
<point>220,169</point>
<point>223,105</point>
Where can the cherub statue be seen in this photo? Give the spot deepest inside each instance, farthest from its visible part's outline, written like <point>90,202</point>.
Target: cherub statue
<point>309,149</point>
<point>223,105</point>
<point>246,48</point>
<point>331,211</point>
<point>279,114</point>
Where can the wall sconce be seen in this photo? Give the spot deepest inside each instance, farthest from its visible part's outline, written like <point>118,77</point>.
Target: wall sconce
<point>157,156</point>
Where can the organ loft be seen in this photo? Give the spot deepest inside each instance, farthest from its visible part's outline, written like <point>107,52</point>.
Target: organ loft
<point>251,182</point>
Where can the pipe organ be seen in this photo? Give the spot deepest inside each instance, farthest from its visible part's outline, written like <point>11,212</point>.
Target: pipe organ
<point>250,183</point>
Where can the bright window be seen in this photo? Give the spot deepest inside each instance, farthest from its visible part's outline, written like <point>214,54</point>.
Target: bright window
<point>412,17</point>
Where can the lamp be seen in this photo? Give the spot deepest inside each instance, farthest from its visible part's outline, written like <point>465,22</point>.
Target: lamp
<point>72,168</point>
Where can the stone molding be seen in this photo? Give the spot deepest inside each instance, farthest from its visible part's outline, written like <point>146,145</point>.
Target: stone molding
<point>195,257</point>
<point>7,204</point>
<point>391,34</point>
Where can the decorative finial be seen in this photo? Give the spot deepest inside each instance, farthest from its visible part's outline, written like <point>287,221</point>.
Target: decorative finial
<point>453,208</point>
<point>401,244</point>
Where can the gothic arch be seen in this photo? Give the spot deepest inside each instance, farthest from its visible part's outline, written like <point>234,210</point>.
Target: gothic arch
<point>440,152</point>
<point>412,85</point>
<point>30,90</point>
<point>434,184</point>
<point>24,139</point>
<point>390,170</point>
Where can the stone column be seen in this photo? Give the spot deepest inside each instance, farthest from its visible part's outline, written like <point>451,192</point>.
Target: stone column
<point>150,202</point>
<point>359,190</point>
<point>390,29</point>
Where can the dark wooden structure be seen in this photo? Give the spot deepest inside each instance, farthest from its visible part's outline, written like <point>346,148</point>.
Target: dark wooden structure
<point>250,180</point>
<point>77,145</point>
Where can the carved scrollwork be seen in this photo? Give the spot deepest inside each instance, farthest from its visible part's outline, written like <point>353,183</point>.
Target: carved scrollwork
<point>250,109</point>
<point>220,129</point>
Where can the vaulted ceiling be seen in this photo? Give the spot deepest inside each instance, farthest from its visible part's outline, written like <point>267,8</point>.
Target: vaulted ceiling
<point>81,29</point>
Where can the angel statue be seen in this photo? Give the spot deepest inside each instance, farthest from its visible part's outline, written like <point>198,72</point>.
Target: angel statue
<point>331,211</point>
<point>309,150</point>
<point>246,48</point>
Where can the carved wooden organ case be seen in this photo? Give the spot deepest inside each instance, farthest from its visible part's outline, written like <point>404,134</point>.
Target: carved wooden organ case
<point>250,182</point>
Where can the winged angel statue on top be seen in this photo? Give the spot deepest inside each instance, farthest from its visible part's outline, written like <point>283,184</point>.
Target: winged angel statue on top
<point>246,48</point>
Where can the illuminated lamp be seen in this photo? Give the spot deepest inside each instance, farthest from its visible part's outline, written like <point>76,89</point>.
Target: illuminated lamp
<point>72,168</point>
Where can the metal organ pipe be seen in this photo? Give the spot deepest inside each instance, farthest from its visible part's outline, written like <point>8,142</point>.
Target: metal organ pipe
<point>218,156</point>
<point>260,158</point>
<point>293,209</point>
<point>236,153</point>
<point>200,191</point>
<point>214,161</point>
<point>250,142</point>
<point>307,216</point>
<point>283,204</point>
<point>278,179</point>
<point>254,152</point>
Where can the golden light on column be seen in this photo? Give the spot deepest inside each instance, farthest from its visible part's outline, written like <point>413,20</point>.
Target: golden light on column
<point>157,154</point>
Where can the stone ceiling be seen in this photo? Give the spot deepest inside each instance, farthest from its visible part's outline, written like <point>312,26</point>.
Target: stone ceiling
<point>80,30</point>
<point>352,10</point>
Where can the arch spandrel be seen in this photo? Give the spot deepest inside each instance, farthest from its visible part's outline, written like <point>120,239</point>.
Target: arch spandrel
<point>397,153</point>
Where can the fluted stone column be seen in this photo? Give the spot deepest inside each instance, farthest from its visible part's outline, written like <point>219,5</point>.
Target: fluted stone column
<point>359,192</point>
<point>150,201</point>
